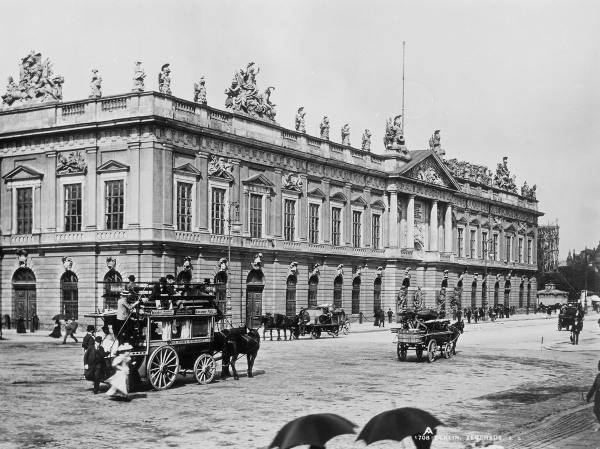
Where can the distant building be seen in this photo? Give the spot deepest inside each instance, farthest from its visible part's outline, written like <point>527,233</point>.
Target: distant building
<point>548,237</point>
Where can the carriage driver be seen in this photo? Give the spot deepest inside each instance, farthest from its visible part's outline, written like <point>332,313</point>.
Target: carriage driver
<point>304,317</point>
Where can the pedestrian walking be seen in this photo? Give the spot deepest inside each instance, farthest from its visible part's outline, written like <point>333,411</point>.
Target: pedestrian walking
<point>468,315</point>
<point>70,329</point>
<point>21,325</point>
<point>390,314</point>
<point>119,382</point>
<point>88,339</point>
<point>381,318</point>
<point>376,318</point>
<point>575,331</point>
<point>93,363</point>
<point>594,392</point>
<point>56,333</point>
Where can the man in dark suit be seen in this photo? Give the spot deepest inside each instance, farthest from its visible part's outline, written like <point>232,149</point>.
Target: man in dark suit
<point>88,340</point>
<point>94,364</point>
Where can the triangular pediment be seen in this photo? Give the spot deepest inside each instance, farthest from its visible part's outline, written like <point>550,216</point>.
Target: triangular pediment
<point>510,228</point>
<point>462,220</point>
<point>22,173</point>
<point>474,221</point>
<point>259,180</point>
<point>378,205</point>
<point>188,170</point>
<point>112,166</point>
<point>316,193</point>
<point>359,201</point>
<point>426,166</point>
<point>339,197</point>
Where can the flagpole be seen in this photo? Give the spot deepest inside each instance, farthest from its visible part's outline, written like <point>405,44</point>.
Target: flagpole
<point>403,48</point>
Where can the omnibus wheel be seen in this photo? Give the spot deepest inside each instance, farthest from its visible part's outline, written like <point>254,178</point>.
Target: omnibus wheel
<point>205,369</point>
<point>163,366</point>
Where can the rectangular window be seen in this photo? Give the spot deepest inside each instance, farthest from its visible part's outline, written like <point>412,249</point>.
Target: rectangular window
<point>313,223</point>
<point>520,250</point>
<point>495,254</point>
<point>484,245</point>
<point>289,219</point>
<point>529,253</point>
<point>376,231</point>
<point>24,210</point>
<point>356,228</point>
<point>507,248</point>
<point>256,216</point>
<point>114,201</point>
<point>472,244</point>
<point>218,211</point>
<point>336,226</point>
<point>72,207</point>
<point>460,242</point>
<point>184,206</point>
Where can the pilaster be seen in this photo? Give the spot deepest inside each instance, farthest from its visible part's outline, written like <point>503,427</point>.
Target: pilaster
<point>51,209</point>
<point>448,237</point>
<point>410,222</point>
<point>303,210</point>
<point>433,226</point>
<point>326,223</point>
<point>202,192</point>
<point>278,204</point>
<point>393,226</point>
<point>90,217</point>
<point>134,185</point>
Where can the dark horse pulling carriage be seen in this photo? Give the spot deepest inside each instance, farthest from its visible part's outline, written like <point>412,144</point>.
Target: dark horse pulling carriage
<point>424,332</point>
<point>569,315</point>
<point>183,340</point>
<point>313,322</point>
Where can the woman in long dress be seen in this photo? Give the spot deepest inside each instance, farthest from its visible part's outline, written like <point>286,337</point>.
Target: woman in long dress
<point>56,331</point>
<point>119,382</point>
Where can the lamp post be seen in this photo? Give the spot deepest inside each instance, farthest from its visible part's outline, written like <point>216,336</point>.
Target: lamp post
<point>233,209</point>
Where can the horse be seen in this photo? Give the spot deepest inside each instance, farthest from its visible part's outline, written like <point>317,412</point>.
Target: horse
<point>457,329</point>
<point>232,343</point>
<point>278,322</point>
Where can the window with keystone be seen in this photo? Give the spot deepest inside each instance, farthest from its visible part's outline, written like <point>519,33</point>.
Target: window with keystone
<point>73,207</point>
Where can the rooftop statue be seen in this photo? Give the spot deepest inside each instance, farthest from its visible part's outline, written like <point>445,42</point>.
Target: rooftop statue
<point>502,178</point>
<point>472,172</point>
<point>37,83</point>
<point>346,134</point>
<point>164,79</point>
<point>138,77</point>
<point>243,95</point>
<point>435,143</point>
<point>96,85</point>
<point>300,124</point>
<point>324,127</point>
<point>528,192</point>
<point>366,140</point>
<point>200,91</point>
<point>394,134</point>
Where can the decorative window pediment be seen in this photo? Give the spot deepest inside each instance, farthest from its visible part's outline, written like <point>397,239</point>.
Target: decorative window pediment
<point>427,167</point>
<point>188,170</point>
<point>220,168</point>
<point>510,228</point>
<point>339,197</point>
<point>462,221</point>
<point>378,205</point>
<point>22,173</point>
<point>291,182</point>
<point>112,166</point>
<point>72,164</point>
<point>316,193</point>
<point>474,221</point>
<point>360,202</point>
<point>260,182</point>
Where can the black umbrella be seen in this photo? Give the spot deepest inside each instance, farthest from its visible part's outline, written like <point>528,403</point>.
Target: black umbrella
<point>314,430</point>
<point>400,423</point>
<point>60,316</point>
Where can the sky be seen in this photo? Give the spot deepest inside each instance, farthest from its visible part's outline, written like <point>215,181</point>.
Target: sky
<point>500,78</point>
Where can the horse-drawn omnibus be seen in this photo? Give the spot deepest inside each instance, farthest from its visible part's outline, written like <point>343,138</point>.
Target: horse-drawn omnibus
<point>322,318</point>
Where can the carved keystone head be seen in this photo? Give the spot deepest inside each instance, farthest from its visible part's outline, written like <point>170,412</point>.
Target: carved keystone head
<point>22,257</point>
<point>67,263</point>
<point>111,262</point>
<point>223,264</point>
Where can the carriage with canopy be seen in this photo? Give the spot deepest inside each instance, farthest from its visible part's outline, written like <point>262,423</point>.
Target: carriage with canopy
<point>569,315</point>
<point>323,318</point>
<point>170,341</point>
<point>426,334</point>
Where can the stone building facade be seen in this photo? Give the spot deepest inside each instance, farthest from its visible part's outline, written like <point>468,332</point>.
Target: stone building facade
<point>102,188</point>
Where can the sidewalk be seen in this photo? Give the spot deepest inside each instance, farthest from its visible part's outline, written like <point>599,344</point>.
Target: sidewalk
<point>41,336</point>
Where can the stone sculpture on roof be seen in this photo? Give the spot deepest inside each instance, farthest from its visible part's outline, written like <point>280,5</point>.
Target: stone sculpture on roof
<point>346,134</point>
<point>37,83</point>
<point>502,178</point>
<point>394,134</point>
<point>243,95</point>
<point>435,143</point>
<point>324,128</point>
<point>300,124</point>
<point>528,192</point>
<point>200,91</point>
<point>164,79</point>
<point>96,85</point>
<point>472,172</point>
<point>138,77</point>
<point>366,140</point>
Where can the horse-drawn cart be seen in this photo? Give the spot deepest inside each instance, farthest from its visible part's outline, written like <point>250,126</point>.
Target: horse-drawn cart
<point>321,319</point>
<point>568,316</point>
<point>425,336</point>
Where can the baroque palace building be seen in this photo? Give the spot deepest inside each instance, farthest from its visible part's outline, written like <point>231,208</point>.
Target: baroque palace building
<point>102,188</point>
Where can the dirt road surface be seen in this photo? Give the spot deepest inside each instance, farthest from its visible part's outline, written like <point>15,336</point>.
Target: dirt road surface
<point>505,386</point>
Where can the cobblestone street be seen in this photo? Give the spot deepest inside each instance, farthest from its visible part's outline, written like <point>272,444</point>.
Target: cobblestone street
<point>504,385</point>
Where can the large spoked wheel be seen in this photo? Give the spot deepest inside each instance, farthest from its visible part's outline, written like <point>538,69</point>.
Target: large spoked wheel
<point>431,347</point>
<point>346,328</point>
<point>316,333</point>
<point>205,369</point>
<point>447,351</point>
<point>163,366</point>
<point>419,351</point>
<point>402,351</point>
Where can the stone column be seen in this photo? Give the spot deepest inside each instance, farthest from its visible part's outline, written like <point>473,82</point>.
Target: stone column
<point>347,232</point>
<point>90,217</point>
<point>148,218</point>
<point>167,185</point>
<point>52,209</point>
<point>244,204</point>
<point>367,231</point>
<point>134,187</point>
<point>303,210</point>
<point>202,192</point>
<point>433,226</point>
<point>448,229</point>
<point>393,225</point>
<point>235,188</point>
<point>37,201</point>
<point>410,222</point>
<point>326,214</point>
<point>278,204</point>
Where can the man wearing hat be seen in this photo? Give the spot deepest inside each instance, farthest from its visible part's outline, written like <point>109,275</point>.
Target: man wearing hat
<point>88,340</point>
<point>94,364</point>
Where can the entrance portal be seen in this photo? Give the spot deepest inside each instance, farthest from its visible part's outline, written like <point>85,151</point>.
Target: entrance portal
<point>24,297</point>
<point>255,284</point>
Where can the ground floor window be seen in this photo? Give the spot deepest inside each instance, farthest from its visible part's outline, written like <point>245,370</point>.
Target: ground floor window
<point>337,292</point>
<point>377,295</point>
<point>313,284</point>
<point>290,296</point>
<point>69,295</point>
<point>356,295</point>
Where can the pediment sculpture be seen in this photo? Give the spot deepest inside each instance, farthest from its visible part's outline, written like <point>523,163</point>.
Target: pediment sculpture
<point>220,168</point>
<point>37,83</point>
<point>244,96</point>
<point>428,171</point>
<point>74,163</point>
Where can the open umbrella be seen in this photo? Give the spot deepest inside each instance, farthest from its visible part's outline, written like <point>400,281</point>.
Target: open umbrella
<point>400,423</point>
<point>59,316</point>
<point>315,430</point>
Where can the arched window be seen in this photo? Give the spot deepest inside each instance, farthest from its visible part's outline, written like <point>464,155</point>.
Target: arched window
<point>521,294</point>
<point>112,288</point>
<point>356,294</point>
<point>290,296</point>
<point>474,294</point>
<point>496,293</point>
<point>337,291</point>
<point>69,298</point>
<point>377,294</point>
<point>484,294</point>
<point>528,295</point>
<point>507,293</point>
<point>313,286</point>
<point>255,284</point>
